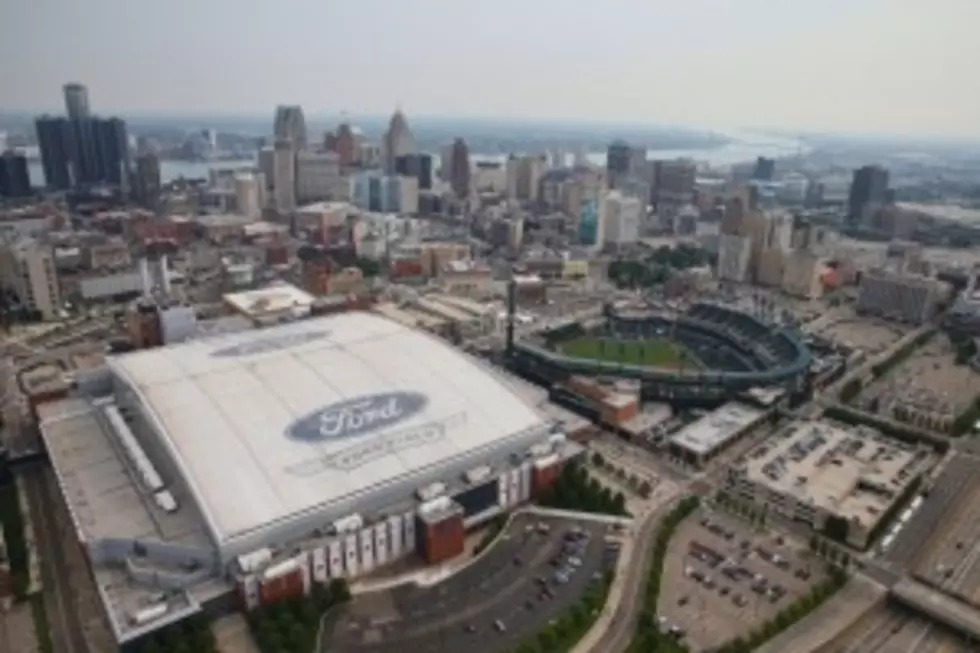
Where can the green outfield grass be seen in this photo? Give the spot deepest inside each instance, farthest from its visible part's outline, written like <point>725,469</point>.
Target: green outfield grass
<point>656,352</point>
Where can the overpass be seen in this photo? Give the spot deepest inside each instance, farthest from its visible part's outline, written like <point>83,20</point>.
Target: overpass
<point>944,608</point>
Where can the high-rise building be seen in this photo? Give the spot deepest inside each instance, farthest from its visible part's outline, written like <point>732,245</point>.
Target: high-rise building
<point>416,165</point>
<point>76,101</point>
<point>398,141</point>
<point>673,182</point>
<point>734,256</point>
<point>622,219</point>
<point>524,177</point>
<point>54,143</point>
<point>373,191</point>
<point>248,195</point>
<point>591,222</point>
<point>289,124</point>
<point>802,272</point>
<point>284,175</point>
<point>318,176</point>
<point>146,182</point>
<point>15,180</point>
<point>905,297</point>
<point>869,191</point>
<point>27,269</point>
<point>619,158</point>
<point>765,169</point>
<point>459,168</point>
<point>345,145</point>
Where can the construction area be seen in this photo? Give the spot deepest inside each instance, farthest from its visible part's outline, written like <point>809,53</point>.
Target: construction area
<point>927,390</point>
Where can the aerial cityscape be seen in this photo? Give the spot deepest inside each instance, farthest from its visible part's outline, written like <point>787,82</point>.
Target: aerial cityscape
<point>323,380</point>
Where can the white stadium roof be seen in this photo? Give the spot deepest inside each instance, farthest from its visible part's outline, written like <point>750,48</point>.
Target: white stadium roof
<point>273,424</point>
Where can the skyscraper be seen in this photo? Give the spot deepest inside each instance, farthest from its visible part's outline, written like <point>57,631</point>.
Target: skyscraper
<point>146,182</point>
<point>398,141</point>
<point>869,190</point>
<point>284,175</point>
<point>416,165</point>
<point>82,149</point>
<point>619,157</point>
<point>15,180</point>
<point>290,125</point>
<point>76,101</point>
<point>56,145</point>
<point>764,169</point>
<point>459,165</point>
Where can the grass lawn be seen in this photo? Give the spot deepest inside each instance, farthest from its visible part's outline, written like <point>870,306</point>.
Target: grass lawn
<point>656,352</point>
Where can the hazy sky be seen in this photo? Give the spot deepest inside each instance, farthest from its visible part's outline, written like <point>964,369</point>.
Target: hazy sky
<point>849,65</point>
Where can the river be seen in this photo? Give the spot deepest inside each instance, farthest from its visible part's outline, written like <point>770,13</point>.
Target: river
<point>743,147</point>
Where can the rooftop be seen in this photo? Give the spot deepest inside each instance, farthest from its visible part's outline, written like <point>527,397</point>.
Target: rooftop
<point>317,415</point>
<point>855,474</point>
<point>716,428</point>
<point>277,299</point>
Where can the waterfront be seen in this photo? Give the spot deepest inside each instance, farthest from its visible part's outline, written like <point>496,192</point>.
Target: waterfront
<point>744,147</point>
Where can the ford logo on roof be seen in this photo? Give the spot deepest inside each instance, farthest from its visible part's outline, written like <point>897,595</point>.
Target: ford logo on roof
<point>360,416</point>
<point>268,343</point>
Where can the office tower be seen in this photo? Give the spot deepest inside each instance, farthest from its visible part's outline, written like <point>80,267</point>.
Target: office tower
<point>15,180</point>
<point>344,143</point>
<point>591,222</point>
<point>267,165</point>
<point>869,190</point>
<point>146,186</point>
<point>622,219</point>
<point>284,175</point>
<point>27,269</point>
<point>765,169</point>
<point>908,298</point>
<point>524,177</point>
<point>54,143</point>
<point>734,256</point>
<point>248,194</point>
<point>619,157</point>
<point>780,231</point>
<point>76,101</point>
<point>398,141</point>
<point>802,271</point>
<point>416,165</point>
<point>401,194</point>
<point>111,142</point>
<point>772,263</point>
<point>459,168</point>
<point>673,182</point>
<point>289,124</point>
<point>318,176</point>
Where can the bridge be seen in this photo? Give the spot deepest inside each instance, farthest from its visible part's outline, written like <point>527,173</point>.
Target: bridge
<point>944,608</point>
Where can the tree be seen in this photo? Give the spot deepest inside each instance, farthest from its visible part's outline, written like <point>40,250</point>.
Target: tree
<point>339,590</point>
<point>619,504</point>
<point>645,489</point>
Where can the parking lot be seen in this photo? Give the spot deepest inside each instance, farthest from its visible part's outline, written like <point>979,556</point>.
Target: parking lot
<point>724,578</point>
<point>531,575</point>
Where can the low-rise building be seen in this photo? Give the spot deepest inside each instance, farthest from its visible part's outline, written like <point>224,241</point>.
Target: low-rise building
<point>839,481</point>
<point>271,305</point>
<point>700,441</point>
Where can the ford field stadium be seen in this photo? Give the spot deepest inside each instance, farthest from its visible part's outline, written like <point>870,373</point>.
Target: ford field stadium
<point>708,352</point>
<point>240,469</point>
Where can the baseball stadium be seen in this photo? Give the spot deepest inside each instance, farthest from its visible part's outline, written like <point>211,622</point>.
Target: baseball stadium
<point>707,352</point>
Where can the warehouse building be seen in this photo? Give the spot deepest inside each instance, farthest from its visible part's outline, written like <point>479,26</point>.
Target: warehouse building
<point>240,469</point>
<point>820,473</point>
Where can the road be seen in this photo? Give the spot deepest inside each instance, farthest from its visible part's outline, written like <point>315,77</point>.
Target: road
<point>620,631</point>
<point>66,630</point>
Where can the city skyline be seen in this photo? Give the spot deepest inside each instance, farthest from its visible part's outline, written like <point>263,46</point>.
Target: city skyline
<point>860,66</point>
